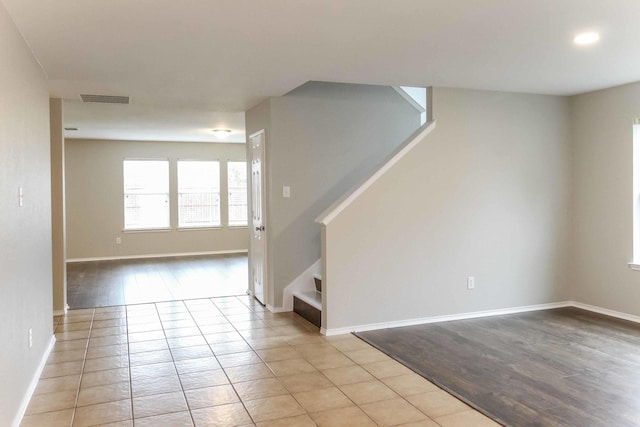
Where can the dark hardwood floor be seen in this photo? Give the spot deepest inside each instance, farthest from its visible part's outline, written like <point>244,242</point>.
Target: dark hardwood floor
<point>107,283</point>
<point>563,367</point>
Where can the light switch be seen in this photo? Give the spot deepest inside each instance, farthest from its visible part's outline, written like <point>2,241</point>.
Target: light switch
<point>286,191</point>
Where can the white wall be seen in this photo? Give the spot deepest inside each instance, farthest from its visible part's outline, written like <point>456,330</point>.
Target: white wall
<point>486,194</point>
<point>25,232</point>
<point>603,188</point>
<point>94,200</point>
<point>321,139</point>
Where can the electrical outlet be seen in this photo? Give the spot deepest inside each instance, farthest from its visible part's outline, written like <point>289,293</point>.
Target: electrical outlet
<point>20,197</point>
<point>471,282</point>
<point>118,240</point>
<point>30,337</point>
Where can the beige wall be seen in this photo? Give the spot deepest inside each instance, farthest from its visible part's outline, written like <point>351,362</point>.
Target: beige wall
<point>603,189</point>
<point>321,139</point>
<point>25,232</point>
<point>486,194</point>
<point>58,227</point>
<point>94,205</point>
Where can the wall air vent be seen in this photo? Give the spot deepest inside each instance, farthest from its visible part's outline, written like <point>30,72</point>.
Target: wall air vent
<point>105,99</point>
<point>70,128</point>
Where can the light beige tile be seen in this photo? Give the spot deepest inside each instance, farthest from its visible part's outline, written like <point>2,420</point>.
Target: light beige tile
<point>108,340</point>
<point>316,350</point>
<point>248,372</point>
<point>196,365</point>
<point>146,336</point>
<point>182,332</point>
<point>62,369</point>
<point>427,422</point>
<point>305,382</point>
<point>367,355</point>
<point>146,386</point>
<point>186,341</point>
<point>103,332</point>
<point>299,421</point>
<point>291,367</point>
<point>202,379</point>
<point>367,392</point>
<point>103,413</point>
<point>348,375</point>
<point>50,385</point>
<point>112,376</point>
<point>52,402</point>
<point>409,384</point>
<point>230,347</point>
<point>258,389</point>
<point>350,344</point>
<point>238,359</point>
<point>322,400</point>
<point>104,363</point>
<point>392,412</point>
<point>279,353</point>
<point>138,347</point>
<point>177,419</point>
<point>158,404</point>
<point>70,327</point>
<point>195,352</point>
<point>466,418</point>
<point>211,396</point>
<point>70,345</point>
<point>49,419</point>
<point>104,393</point>
<point>230,415</point>
<point>437,403</point>
<point>150,357</point>
<point>272,408</point>
<point>268,342</point>
<point>343,417</point>
<point>151,371</point>
<point>107,351</point>
<point>72,335</point>
<point>329,361</point>
<point>385,369</point>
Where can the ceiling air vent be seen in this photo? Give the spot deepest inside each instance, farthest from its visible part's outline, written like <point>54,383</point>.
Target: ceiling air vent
<point>105,99</point>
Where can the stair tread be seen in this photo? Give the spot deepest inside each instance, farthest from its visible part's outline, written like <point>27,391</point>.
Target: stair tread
<point>311,297</point>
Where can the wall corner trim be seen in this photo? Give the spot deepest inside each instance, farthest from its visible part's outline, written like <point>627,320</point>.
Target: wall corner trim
<point>33,384</point>
<point>341,204</point>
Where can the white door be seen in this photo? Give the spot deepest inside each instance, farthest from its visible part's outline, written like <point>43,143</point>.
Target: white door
<point>258,234</point>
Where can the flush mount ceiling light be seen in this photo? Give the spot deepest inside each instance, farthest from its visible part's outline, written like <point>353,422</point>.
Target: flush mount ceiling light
<point>587,38</point>
<point>221,133</point>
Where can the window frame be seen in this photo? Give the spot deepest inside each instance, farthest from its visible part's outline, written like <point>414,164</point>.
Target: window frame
<point>126,229</point>
<point>178,193</point>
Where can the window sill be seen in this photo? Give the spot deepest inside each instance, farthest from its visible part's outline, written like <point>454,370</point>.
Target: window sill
<point>634,265</point>
<point>203,228</point>
<point>146,230</point>
<point>237,226</point>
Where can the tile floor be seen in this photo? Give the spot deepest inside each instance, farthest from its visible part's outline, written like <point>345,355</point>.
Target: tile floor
<point>226,362</point>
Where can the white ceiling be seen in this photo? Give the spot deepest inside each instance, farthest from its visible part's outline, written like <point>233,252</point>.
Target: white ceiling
<point>228,55</point>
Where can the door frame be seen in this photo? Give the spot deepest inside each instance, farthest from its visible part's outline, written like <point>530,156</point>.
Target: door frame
<point>265,272</point>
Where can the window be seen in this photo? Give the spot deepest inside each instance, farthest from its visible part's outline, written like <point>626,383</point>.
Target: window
<point>146,194</point>
<point>237,182</point>
<point>198,193</point>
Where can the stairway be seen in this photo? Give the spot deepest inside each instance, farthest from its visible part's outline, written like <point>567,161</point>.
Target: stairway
<point>308,303</point>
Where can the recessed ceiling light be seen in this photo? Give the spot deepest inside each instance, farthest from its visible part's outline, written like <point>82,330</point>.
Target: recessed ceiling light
<point>221,133</point>
<point>583,39</point>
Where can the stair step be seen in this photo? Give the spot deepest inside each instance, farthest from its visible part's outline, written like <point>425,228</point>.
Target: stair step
<point>308,304</point>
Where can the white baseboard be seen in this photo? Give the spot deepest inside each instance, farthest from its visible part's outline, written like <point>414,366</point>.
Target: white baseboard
<point>33,384</point>
<point>445,318</point>
<point>274,309</point>
<point>303,282</point>
<point>172,255</point>
<point>607,312</point>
